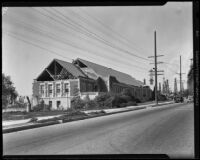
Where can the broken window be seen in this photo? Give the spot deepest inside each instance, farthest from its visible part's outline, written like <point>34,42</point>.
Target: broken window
<point>42,90</point>
<point>50,89</point>
<point>66,87</point>
<point>58,88</point>
<point>58,104</point>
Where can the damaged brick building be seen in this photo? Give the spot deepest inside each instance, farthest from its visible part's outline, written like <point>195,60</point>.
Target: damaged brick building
<point>60,81</point>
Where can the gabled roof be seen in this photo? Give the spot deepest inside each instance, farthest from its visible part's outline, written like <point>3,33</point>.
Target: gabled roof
<point>105,72</point>
<point>71,68</point>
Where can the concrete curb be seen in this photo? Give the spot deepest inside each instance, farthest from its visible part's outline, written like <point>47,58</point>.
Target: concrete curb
<point>37,125</point>
<point>162,104</point>
<point>29,126</point>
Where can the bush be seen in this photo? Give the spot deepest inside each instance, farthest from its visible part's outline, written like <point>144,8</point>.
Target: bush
<point>137,100</point>
<point>118,100</point>
<point>108,103</point>
<point>127,92</point>
<point>131,103</point>
<point>41,107</point>
<point>109,100</point>
<point>102,99</point>
<point>77,103</point>
<point>17,105</point>
<point>71,109</point>
<point>162,98</point>
<point>90,104</point>
<point>127,98</point>
<point>34,119</point>
<point>38,108</point>
<point>122,105</point>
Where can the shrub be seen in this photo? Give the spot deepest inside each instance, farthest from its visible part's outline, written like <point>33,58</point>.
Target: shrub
<point>131,103</point>
<point>77,103</point>
<point>108,102</point>
<point>90,104</point>
<point>122,105</point>
<point>38,108</point>
<point>137,100</point>
<point>127,92</point>
<point>162,97</point>
<point>46,107</point>
<point>18,105</point>
<point>101,99</point>
<point>71,109</point>
<point>118,100</point>
<point>126,98</point>
<point>41,107</point>
<point>34,119</point>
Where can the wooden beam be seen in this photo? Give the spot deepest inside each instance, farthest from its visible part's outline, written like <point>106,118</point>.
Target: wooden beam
<point>50,74</point>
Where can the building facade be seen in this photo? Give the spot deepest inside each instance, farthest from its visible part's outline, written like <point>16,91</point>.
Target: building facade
<point>61,81</point>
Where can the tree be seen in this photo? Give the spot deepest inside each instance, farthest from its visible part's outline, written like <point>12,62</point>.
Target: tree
<point>9,94</point>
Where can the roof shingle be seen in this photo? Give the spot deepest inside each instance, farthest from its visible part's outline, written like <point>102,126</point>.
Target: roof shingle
<point>71,68</point>
<point>105,72</point>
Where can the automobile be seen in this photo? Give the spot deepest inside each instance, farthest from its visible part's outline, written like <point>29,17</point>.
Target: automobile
<point>178,99</point>
<point>189,99</point>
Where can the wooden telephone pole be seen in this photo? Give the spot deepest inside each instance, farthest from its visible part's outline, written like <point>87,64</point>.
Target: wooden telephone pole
<point>155,67</point>
<point>180,74</point>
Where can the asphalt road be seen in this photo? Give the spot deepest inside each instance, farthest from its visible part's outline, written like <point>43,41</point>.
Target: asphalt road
<point>167,129</point>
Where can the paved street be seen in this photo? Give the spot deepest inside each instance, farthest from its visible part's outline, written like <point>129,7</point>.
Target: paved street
<point>165,129</point>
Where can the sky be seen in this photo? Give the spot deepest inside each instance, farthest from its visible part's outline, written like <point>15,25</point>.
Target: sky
<point>118,37</point>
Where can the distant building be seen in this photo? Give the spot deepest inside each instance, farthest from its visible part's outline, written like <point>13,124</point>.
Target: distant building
<point>60,81</point>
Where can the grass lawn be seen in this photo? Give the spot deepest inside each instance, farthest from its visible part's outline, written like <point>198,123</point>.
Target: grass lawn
<point>66,117</point>
<point>25,115</point>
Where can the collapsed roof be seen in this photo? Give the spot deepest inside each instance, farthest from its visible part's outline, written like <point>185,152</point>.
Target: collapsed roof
<point>58,69</point>
<point>105,72</point>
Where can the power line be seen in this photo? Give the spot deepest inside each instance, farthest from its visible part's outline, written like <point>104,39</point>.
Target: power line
<point>65,24</point>
<point>62,22</point>
<point>94,35</point>
<point>130,44</point>
<point>53,51</point>
<point>53,37</point>
<point>58,39</point>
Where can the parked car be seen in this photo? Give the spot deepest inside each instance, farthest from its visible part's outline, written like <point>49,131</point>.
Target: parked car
<point>178,99</point>
<point>189,99</point>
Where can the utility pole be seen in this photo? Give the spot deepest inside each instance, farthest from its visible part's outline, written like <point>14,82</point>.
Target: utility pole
<point>155,67</point>
<point>180,74</point>
<point>175,86</point>
<point>180,78</point>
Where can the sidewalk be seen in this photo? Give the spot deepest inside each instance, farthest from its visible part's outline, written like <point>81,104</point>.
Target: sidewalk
<point>11,123</point>
<point>11,126</point>
<point>114,110</point>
